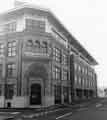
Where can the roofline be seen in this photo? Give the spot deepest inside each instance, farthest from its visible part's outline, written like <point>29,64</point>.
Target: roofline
<point>75,40</point>
<point>68,35</point>
<point>23,6</point>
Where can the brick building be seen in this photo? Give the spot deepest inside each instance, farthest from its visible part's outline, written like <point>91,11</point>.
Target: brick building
<point>37,59</point>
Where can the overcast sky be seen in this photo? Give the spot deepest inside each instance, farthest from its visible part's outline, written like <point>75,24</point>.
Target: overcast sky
<point>86,20</point>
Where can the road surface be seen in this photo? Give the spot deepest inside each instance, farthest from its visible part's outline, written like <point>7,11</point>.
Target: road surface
<point>86,111</point>
<point>91,111</point>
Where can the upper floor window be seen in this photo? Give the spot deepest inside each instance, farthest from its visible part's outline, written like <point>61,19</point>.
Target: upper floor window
<point>65,59</point>
<point>38,25</point>
<point>83,70</point>
<point>79,80</point>
<point>65,75</point>
<point>1,68</point>
<point>29,43</point>
<point>86,70</point>
<point>79,68</point>
<point>33,43</point>
<point>56,73</point>
<point>76,79</point>
<point>75,66</point>
<point>0,89</point>
<point>57,54</point>
<point>1,49</point>
<point>11,70</point>
<point>12,48</point>
<point>10,27</point>
<point>83,82</point>
<point>37,44</point>
<point>44,46</point>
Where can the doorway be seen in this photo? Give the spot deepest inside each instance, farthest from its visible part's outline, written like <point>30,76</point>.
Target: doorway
<point>35,94</point>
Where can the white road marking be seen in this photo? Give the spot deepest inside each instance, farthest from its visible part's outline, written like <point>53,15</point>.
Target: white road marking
<point>14,113</point>
<point>98,105</point>
<point>55,110</point>
<point>82,109</point>
<point>64,115</point>
<point>9,113</point>
<point>40,114</point>
<point>2,112</point>
<point>82,105</point>
<point>5,112</point>
<point>102,108</point>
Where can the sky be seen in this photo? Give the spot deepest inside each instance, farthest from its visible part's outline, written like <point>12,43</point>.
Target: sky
<point>86,20</point>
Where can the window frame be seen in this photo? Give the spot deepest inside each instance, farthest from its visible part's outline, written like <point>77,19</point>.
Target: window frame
<point>56,73</point>
<point>11,70</point>
<point>12,48</point>
<point>2,49</point>
<point>57,54</point>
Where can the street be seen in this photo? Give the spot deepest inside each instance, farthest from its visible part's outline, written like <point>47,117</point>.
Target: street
<point>96,110</point>
<point>90,111</point>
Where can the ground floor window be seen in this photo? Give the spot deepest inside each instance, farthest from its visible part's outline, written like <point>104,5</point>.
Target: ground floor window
<point>79,93</point>
<point>66,94</point>
<point>86,93</point>
<point>9,91</point>
<point>57,91</point>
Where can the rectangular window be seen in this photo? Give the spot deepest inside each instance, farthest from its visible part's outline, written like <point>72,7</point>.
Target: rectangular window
<point>38,25</point>
<point>82,82</point>
<point>56,73</point>
<point>76,79</point>
<point>57,54</point>
<point>11,70</point>
<point>44,47</point>
<point>12,48</point>
<point>1,49</point>
<point>9,91</point>
<point>79,81</point>
<point>83,70</point>
<point>10,27</point>
<point>0,89</point>
<point>65,59</point>
<point>75,66</point>
<point>1,68</point>
<point>79,68</point>
<point>65,75</point>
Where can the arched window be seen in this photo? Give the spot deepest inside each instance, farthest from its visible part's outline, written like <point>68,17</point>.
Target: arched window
<point>44,47</point>
<point>44,44</point>
<point>37,44</point>
<point>29,43</point>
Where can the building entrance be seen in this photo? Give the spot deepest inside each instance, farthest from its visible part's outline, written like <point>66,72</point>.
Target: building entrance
<point>36,77</point>
<point>57,91</point>
<point>35,94</point>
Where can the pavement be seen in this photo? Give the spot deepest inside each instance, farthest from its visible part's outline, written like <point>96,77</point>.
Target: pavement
<point>85,111</point>
<point>28,113</point>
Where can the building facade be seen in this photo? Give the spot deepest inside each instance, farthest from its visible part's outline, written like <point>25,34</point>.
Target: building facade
<point>36,64</point>
<point>83,78</point>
